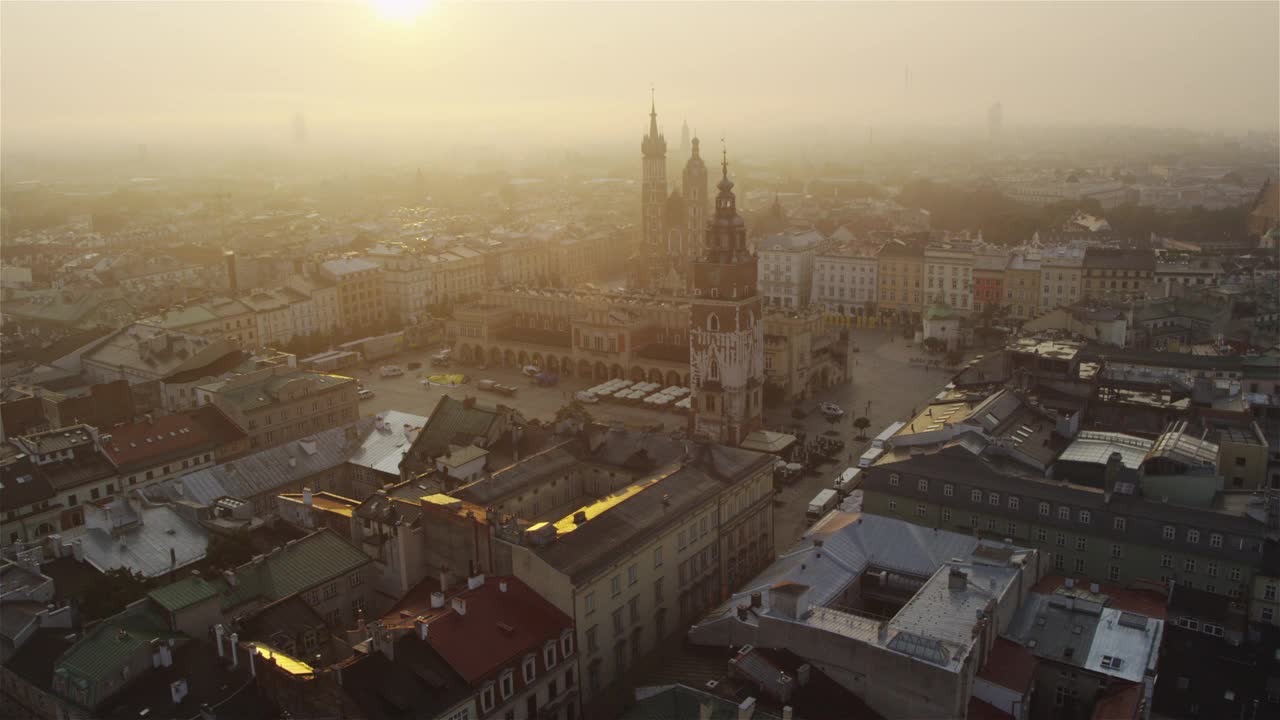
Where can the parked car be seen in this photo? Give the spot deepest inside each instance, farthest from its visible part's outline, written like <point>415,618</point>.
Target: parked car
<point>364,394</point>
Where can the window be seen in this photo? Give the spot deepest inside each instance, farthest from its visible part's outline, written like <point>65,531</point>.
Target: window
<point>1169,532</point>
<point>994,499</point>
<point>1044,509</point>
<point>893,479</point>
<point>1080,544</point>
<point>922,485</point>
<point>486,697</point>
<point>615,585</point>
<point>507,684</point>
<point>1215,540</point>
<point>976,496</point>
<point>1113,573</point>
<point>633,575</point>
<point>1189,565</point>
<point>948,490</point>
<point>1193,536</point>
<point>657,556</point>
<point>1085,517</point>
<point>1166,560</point>
<point>529,668</point>
<point>1118,524</point>
<point>1064,513</point>
<point>1013,502</point>
<point>549,656</point>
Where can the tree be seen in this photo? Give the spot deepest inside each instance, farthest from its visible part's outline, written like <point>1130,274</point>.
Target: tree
<point>862,424</point>
<point>109,593</point>
<point>228,551</point>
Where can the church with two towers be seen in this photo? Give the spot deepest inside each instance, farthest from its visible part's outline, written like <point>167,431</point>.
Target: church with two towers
<point>685,252</point>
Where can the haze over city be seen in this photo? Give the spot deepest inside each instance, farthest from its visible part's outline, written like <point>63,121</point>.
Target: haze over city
<point>421,74</point>
<point>412,360</point>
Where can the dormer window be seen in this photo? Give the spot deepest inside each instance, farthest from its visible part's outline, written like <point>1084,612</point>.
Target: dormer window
<point>507,683</point>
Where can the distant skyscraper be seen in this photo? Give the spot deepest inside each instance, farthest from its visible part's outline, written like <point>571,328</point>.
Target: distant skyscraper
<point>684,139</point>
<point>726,333</point>
<point>299,128</point>
<point>653,149</point>
<point>995,122</point>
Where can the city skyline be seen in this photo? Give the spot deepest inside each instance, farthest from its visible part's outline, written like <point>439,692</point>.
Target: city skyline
<point>160,73</point>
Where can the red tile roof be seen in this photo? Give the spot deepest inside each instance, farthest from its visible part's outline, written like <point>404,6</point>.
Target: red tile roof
<point>144,444</point>
<point>497,631</point>
<point>1141,601</point>
<point>1010,665</point>
<point>1119,703</point>
<point>979,710</point>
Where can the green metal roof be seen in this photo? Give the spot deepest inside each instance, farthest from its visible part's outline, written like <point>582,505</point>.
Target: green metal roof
<point>451,418</point>
<point>184,593</point>
<point>302,564</point>
<point>107,647</point>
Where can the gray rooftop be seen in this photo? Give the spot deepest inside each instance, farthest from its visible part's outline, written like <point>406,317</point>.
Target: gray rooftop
<point>386,441</point>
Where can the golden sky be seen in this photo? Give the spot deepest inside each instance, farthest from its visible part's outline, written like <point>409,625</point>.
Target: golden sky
<point>212,71</point>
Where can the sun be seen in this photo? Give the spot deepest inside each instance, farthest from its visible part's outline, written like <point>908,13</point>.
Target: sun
<point>400,11</point>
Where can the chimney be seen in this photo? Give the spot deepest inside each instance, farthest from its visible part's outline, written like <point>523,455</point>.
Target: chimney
<point>746,709</point>
<point>957,580</point>
<point>460,606</point>
<point>420,626</point>
<point>1115,465</point>
<point>437,600</point>
<point>306,491</point>
<point>235,658</point>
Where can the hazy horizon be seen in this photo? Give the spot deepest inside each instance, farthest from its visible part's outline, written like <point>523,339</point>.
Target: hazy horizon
<point>102,73</point>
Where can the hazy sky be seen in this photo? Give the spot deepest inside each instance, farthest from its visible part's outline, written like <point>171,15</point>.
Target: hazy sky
<point>137,72</point>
